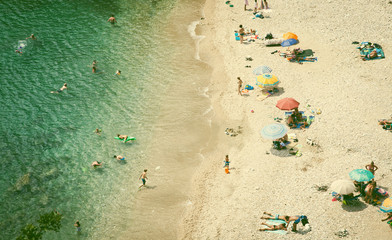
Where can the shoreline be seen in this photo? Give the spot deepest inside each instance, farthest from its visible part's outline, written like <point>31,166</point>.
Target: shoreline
<point>340,84</point>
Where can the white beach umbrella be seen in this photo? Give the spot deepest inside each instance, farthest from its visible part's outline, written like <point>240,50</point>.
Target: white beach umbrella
<point>343,186</point>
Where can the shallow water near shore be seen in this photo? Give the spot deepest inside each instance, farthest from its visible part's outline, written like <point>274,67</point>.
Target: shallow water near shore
<point>47,140</point>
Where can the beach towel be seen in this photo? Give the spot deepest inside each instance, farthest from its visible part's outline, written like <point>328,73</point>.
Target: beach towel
<point>275,222</point>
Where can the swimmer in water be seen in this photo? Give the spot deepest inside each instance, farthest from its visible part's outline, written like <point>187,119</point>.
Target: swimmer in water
<point>32,37</point>
<point>118,72</point>
<point>96,164</point>
<point>95,66</point>
<point>18,51</point>
<point>119,157</point>
<point>64,87</point>
<point>122,137</point>
<point>98,131</point>
<point>112,20</point>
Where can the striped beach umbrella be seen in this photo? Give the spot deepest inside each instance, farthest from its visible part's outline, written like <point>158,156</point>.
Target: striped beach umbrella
<point>260,70</point>
<point>274,131</point>
<point>267,80</point>
<point>386,206</point>
<point>361,175</point>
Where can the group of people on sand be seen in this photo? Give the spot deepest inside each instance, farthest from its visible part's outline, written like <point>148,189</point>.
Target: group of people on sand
<point>262,5</point>
<point>283,226</point>
<point>296,118</point>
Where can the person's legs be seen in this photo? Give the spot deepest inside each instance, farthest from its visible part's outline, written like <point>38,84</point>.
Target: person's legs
<point>266,4</point>
<point>270,227</point>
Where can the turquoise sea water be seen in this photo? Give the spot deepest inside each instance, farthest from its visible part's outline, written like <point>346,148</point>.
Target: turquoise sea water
<point>46,139</point>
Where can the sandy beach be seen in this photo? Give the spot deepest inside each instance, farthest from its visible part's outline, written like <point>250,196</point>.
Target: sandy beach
<point>352,95</point>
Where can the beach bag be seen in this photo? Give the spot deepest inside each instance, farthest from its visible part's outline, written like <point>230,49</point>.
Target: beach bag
<point>269,36</point>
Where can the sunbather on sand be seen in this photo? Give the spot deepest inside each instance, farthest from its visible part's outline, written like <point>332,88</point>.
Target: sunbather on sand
<point>282,226</point>
<point>389,218</point>
<point>294,118</point>
<point>286,218</point>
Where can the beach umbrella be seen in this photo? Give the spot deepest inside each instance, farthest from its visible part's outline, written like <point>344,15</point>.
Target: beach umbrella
<point>289,42</point>
<point>260,70</point>
<point>343,186</point>
<point>287,104</point>
<point>290,35</point>
<point>361,175</point>
<point>267,80</point>
<point>386,206</point>
<point>274,131</point>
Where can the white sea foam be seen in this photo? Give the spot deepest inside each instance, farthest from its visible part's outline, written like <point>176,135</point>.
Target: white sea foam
<point>197,38</point>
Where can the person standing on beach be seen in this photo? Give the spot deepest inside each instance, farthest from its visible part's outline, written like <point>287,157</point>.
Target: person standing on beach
<point>239,85</point>
<point>242,33</point>
<point>226,166</point>
<point>112,20</point>
<point>143,176</point>
<point>265,4</point>
<point>246,4</point>
<point>371,167</point>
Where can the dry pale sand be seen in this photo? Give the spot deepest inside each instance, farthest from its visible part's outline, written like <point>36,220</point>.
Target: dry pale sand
<point>352,95</point>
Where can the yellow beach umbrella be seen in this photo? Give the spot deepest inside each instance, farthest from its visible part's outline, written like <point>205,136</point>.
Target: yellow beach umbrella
<point>267,80</point>
<point>290,35</point>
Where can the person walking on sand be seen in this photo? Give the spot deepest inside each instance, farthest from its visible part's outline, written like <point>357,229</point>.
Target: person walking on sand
<point>246,4</point>
<point>242,33</point>
<point>265,4</point>
<point>226,166</point>
<point>112,20</point>
<point>239,85</point>
<point>143,176</point>
<point>371,167</point>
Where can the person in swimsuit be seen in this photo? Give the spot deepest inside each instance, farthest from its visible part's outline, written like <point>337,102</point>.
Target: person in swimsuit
<point>278,217</point>
<point>226,166</point>
<point>119,157</point>
<point>77,225</point>
<point>96,164</point>
<point>32,37</point>
<point>98,131</point>
<point>122,137</point>
<point>242,33</point>
<point>239,85</point>
<point>64,87</point>
<point>143,176</point>
<point>282,226</point>
<point>264,5</point>
<point>118,72</point>
<point>370,192</point>
<point>371,167</point>
<point>112,20</point>
<point>297,219</point>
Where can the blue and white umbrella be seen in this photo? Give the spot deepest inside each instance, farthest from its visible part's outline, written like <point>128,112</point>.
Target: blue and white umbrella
<point>289,42</point>
<point>261,70</point>
<point>361,175</point>
<point>274,131</point>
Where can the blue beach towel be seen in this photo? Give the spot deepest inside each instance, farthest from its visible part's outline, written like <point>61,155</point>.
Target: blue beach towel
<point>275,222</point>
